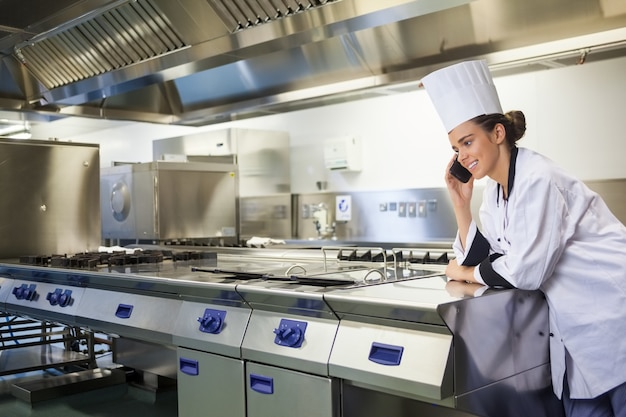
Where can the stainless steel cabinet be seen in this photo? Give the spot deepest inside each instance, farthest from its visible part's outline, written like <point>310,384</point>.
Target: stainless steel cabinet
<point>278,392</point>
<point>210,385</point>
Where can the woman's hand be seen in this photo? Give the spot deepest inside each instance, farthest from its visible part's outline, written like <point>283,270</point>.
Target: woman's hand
<point>460,193</point>
<point>457,272</point>
<point>463,289</point>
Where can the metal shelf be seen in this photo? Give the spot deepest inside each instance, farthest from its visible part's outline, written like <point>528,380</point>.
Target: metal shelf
<point>32,358</point>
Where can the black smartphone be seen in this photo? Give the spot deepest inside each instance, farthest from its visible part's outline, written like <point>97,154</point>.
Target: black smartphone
<point>459,172</point>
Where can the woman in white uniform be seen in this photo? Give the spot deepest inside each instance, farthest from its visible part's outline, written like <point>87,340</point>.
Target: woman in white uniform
<point>541,228</point>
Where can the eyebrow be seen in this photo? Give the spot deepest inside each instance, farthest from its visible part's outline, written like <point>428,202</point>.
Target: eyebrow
<point>464,137</point>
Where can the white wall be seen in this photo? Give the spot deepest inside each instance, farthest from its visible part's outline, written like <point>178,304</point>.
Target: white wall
<point>575,115</point>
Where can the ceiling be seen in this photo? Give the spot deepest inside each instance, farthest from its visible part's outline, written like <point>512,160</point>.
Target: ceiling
<point>202,62</point>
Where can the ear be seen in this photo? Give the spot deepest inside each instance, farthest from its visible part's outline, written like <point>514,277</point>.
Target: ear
<point>499,133</point>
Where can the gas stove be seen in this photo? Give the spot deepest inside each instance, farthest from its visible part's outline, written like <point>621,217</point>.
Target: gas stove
<point>99,260</point>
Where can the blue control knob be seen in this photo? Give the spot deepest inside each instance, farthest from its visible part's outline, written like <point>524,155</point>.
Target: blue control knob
<point>212,321</point>
<point>65,299</point>
<point>60,297</point>
<point>25,292</point>
<point>210,324</point>
<point>289,336</point>
<point>53,297</point>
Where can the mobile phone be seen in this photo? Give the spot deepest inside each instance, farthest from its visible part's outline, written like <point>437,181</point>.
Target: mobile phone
<point>459,172</point>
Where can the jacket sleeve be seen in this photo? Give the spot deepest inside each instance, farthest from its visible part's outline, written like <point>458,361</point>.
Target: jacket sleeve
<point>537,229</point>
<point>478,247</point>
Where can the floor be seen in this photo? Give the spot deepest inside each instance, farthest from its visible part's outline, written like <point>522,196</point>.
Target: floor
<point>120,400</point>
<point>77,396</point>
<point>117,401</point>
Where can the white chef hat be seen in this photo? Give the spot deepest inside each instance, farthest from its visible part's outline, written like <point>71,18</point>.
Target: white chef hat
<point>461,92</point>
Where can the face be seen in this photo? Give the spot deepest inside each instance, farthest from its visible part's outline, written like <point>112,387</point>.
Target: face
<point>478,150</point>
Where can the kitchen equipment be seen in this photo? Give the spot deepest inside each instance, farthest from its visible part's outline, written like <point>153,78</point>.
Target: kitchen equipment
<point>31,336</point>
<point>209,331</point>
<point>50,200</point>
<point>165,201</point>
<point>263,173</point>
<point>287,345</point>
<point>415,347</point>
<point>284,332</point>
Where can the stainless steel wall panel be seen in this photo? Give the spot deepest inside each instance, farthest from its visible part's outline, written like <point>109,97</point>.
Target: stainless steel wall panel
<point>50,200</point>
<point>403,216</point>
<point>266,216</point>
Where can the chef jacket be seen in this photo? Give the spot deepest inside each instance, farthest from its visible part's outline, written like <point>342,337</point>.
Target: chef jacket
<point>554,234</point>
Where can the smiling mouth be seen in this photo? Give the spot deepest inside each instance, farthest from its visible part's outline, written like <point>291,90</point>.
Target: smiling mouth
<point>472,165</point>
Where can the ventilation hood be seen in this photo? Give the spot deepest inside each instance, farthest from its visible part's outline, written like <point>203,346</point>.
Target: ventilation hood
<point>200,62</point>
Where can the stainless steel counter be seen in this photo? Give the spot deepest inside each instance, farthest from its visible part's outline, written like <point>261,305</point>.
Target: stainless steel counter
<point>271,319</point>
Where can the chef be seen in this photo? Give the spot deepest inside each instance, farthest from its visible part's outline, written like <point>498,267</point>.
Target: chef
<point>541,228</point>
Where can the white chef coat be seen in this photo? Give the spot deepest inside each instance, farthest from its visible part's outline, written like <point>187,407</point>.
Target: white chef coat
<point>556,235</point>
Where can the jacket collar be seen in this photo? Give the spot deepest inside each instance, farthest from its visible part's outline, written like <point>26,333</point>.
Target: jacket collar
<point>511,181</point>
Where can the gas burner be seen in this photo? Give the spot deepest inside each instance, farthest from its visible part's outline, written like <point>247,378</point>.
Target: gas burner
<point>80,261</point>
<point>193,255</point>
<point>376,255</point>
<point>428,258</point>
<point>93,260</point>
<point>139,257</point>
<point>366,255</point>
<point>39,260</point>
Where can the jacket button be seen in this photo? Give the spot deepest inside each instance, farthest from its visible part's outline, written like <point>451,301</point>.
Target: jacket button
<point>551,334</point>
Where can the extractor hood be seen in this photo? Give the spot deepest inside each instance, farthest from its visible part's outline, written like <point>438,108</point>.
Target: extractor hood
<point>200,62</point>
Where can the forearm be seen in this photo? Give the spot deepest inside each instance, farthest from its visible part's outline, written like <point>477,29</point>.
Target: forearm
<point>463,217</point>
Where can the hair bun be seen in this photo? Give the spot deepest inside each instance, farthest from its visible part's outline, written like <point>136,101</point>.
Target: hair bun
<point>518,123</point>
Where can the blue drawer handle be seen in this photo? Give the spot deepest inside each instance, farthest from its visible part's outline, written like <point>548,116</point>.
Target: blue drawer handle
<point>189,366</point>
<point>386,354</point>
<point>262,384</point>
<point>124,311</point>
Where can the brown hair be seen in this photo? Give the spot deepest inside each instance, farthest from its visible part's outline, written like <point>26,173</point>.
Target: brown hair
<point>514,123</point>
